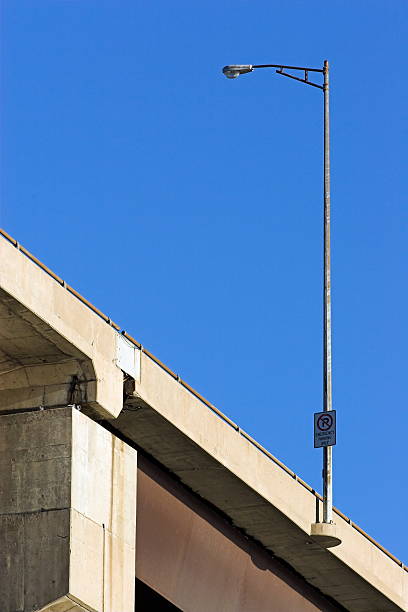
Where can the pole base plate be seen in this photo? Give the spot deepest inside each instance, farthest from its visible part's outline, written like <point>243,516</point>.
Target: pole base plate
<point>325,534</point>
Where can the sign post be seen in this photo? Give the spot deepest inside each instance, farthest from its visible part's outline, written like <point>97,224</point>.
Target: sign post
<point>324,429</point>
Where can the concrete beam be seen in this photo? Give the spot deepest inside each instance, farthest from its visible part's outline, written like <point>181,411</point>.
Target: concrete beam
<point>52,344</point>
<point>67,514</point>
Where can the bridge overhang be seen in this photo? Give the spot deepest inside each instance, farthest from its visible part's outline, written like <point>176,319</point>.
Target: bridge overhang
<point>54,350</point>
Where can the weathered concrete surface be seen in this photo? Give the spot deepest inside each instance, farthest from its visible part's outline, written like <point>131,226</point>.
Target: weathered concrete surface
<point>223,467</point>
<point>67,514</point>
<point>53,349</point>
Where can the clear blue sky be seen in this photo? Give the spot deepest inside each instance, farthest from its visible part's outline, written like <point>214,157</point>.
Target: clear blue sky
<point>189,207</point>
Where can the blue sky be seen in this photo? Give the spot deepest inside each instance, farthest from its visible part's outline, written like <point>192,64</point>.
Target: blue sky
<point>189,207</point>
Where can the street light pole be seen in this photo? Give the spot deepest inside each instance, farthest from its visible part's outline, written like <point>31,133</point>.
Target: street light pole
<point>327,348</point>
<point>322,531</point>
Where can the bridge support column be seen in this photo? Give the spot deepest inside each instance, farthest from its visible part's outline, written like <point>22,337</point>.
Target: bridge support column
<point>67,514</point>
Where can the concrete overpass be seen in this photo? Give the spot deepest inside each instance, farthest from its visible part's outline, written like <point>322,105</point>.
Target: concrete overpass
<point>123,489</point>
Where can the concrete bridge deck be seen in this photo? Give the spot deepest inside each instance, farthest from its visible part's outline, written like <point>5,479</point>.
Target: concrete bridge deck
<point>57,350</point>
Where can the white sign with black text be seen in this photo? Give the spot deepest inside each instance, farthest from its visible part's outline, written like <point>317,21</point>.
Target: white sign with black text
<point>324,429</point>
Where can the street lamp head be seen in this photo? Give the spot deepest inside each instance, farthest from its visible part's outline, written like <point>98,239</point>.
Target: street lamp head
<point>233,71</point>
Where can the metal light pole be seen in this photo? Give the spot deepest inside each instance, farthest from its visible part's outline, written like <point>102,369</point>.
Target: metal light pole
<point>232,72</point>
<point>327,348</point>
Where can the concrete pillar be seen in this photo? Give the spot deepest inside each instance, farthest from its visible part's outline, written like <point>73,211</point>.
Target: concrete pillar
<point>67,514</point>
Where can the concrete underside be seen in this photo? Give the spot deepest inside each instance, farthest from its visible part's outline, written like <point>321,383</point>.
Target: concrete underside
<point>53,350</point>
<point>248,510</point>
<point>38,367</point>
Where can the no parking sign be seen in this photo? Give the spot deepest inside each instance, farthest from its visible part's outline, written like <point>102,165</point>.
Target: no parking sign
<point>325,428</point>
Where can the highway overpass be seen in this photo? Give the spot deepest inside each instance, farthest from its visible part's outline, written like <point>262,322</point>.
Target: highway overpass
<point>123,489</point>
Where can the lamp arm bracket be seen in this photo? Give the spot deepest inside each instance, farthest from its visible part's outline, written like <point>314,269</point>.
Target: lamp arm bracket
<point>283,67</point>
<point>305,80</point>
